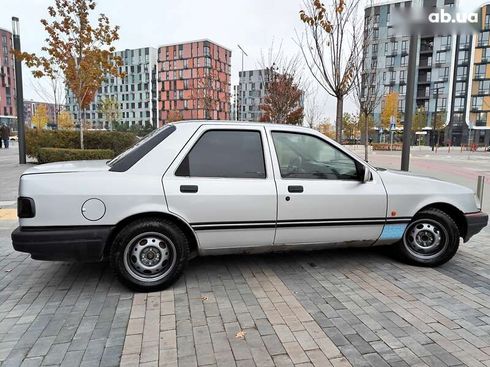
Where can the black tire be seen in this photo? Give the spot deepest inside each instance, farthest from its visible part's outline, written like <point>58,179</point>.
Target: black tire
<point>431,239</point>
<point>149,254</point>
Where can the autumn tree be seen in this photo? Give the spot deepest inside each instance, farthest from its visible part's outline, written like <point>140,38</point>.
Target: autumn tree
<point>65,121</point>
<point>350,126</point>
<point>109,108</point>
<point>327,129</point>
<point>419,119</point>
<point>389,110</point>
<point>40,117</point>
<point>329,47</point>
<point>174,116</point>
<point>283,99</point>
<point>80,50</point>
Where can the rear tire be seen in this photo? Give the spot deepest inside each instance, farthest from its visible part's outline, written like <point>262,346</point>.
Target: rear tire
<point>431,239</point>
<point>149,254</point>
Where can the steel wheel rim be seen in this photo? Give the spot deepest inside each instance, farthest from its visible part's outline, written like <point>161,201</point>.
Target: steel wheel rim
<point>149,257</point>
<point>425,239</point>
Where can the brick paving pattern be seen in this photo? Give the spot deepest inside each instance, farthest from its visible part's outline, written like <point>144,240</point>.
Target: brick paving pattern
<point>352,307</point>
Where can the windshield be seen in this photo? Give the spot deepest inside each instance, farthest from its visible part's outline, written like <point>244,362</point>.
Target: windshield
<point>144,140</point>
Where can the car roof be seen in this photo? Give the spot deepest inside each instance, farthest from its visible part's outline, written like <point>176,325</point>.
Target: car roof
<point>242,123</point>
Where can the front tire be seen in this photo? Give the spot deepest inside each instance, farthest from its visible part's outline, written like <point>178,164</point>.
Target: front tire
<point>149,254</point>
<point>431,239</point>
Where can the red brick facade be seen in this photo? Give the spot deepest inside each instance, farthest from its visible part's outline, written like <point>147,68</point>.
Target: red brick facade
<point>194,81</point>
<point>7,75</point>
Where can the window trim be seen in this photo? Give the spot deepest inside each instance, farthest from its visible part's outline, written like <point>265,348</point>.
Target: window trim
<point>356,162</point>
<point>198,138</point>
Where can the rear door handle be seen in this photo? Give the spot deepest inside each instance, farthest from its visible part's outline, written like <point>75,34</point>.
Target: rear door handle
<point>188,188</point>
<point>295,188</point>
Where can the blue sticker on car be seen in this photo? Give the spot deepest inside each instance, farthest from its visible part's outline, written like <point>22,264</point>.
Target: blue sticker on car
<point>393,231</point>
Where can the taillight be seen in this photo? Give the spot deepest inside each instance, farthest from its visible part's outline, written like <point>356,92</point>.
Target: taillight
<point>25,207</point>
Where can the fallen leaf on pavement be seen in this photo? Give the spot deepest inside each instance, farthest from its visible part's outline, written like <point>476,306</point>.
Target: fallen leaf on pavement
<point>241,334</point>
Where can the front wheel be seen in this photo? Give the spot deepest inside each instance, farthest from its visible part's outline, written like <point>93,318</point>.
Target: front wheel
<point>431,239</point>
<point>149,254</point>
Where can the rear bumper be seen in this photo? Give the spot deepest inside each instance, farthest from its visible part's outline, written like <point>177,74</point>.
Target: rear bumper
<point>475,222</point>
<point>80,243</point>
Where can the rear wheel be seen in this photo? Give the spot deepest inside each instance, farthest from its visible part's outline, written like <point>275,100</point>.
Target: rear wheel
<point>149,254</point>
<point>431,239</point>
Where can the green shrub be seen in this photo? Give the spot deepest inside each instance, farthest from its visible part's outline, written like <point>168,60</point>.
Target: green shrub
<point>47,155</point>
<point>116,141</point>
<point>386,146</point>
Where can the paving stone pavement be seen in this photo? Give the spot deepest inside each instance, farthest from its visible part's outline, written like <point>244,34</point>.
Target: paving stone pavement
<point>352,307</point>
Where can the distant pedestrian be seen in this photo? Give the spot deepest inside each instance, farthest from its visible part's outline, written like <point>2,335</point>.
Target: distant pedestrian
<point>5,134</point>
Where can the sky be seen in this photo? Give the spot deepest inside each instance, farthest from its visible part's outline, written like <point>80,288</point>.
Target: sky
<point>254,24</point>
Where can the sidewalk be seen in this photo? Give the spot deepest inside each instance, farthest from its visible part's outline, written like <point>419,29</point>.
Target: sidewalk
<point>353,307</point>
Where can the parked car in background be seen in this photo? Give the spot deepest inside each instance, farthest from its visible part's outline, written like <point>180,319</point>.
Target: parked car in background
<point>208,188</point>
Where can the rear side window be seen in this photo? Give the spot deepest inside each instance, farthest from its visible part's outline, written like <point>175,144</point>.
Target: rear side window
<point>225,153</point>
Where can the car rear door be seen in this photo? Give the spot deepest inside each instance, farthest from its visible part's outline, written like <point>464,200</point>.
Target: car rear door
<point>222,184</point>
<point>321,196</point>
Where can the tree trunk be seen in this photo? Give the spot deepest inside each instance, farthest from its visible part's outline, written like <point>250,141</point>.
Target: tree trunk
<point>338,119</point>
<point>366,138</point>
<point>82,124</point>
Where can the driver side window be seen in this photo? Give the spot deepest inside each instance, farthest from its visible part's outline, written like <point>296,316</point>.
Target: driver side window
<point>309,157</point>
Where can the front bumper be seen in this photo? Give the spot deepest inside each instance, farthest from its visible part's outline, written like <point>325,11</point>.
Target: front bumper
<point>475,222</point>
<point>79,243</point>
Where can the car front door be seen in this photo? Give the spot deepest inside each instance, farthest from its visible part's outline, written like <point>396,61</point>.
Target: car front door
<point>222,185</point>
<point>321,194</point>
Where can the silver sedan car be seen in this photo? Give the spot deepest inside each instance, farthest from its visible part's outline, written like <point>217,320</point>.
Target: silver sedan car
<point>209,187</point>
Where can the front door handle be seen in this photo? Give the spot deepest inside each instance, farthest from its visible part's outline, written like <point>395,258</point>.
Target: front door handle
<point>295,188</point>
<point>188,188</point>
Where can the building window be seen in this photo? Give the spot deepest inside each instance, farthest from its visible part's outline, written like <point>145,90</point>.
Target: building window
<point>483,38</point>
<point>480,71</point>
<point>441,57</point>
<point>463,57</point>
<point>402,76</point>
<point>460,88</point>
<point>402,89</point>
<point>484,87</point>
<point>461,72</point>
<point>444,73</point>
<point>390,61</point>
<point>485,56</point>
<point>374,63</point>
<point>441,104</point>
<point>459,104</point>
<point>404,60</point>
<point>386,48</point>
<point>481,119</point>
<point>464,41</point>
<point>375,49</point>
<point>445,42</point>
<point>476,103</point>
<point>404,46</point>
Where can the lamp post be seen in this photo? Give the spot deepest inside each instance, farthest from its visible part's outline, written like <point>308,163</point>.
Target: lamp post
<point>19,92</point>
<point>240,91</point>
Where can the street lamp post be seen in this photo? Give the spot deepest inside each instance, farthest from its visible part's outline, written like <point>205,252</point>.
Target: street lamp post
<point>240,91</point>
<point>20,93</point>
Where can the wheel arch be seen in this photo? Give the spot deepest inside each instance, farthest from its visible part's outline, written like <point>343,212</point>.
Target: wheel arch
<point>183,225</point>
<point>456,214</point>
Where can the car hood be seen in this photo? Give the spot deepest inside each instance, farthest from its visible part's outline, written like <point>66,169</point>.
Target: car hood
<point>70,166</point>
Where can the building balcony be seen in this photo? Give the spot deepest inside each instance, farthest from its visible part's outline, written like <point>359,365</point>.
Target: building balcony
<point>479,76</point>
<point>422,96</point>
<point>424,49</point>
<point>460,93</point>
<point>403,81</point>
<point>426,65</point>
<point>458,108</point>
<point>461,77</point>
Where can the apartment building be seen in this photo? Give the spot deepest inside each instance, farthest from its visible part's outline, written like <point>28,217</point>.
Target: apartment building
<point>7,79</point>
<point>194,81</point>
<point>250,94</point>
<point>479,81</point>
<point>451,73</point>
<point>134,95</point>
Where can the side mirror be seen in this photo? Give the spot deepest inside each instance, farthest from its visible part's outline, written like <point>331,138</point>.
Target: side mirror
<point>365,174</point>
